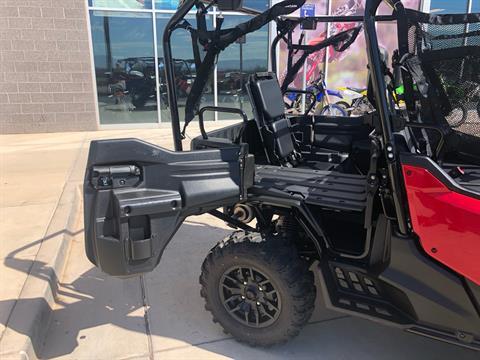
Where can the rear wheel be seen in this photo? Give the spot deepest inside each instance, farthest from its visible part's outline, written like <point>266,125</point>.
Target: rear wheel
<point>139,100</point>
<point>257,288</point>
<point>333,110</point>
<point>344,105</point>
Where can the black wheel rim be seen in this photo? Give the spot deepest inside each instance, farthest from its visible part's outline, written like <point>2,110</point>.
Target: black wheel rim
<point>249,296</point>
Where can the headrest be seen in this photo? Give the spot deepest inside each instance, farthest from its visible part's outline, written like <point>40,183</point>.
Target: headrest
<point>270,99</point>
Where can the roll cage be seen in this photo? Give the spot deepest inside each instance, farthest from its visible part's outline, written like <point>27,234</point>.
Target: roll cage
<point>213,42</point>
<point>217,40</point>
<point>383,109</point>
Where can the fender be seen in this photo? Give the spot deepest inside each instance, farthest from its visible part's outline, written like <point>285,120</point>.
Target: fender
<point>445,220</point>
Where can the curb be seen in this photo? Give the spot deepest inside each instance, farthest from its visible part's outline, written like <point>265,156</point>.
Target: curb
<point>29,319</point>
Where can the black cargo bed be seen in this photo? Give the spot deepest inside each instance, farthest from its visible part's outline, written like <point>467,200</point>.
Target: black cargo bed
<point>329,189</point>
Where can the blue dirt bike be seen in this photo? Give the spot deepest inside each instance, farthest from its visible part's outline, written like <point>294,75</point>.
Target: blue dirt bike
<point>317,99</point>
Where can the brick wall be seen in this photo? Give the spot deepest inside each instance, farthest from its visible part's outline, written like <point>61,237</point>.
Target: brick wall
<point>45,67</point>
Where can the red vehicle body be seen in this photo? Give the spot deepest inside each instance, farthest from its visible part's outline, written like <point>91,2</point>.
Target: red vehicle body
<point>446,222</point>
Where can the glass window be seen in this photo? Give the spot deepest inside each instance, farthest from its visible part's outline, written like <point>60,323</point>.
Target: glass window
<point>169,5</point>
<point>349,69</point>
<point>124,67</point>
<point>261,5</point>
<point>475,6</point>
<point>124,59</point>
<point>121,4</point>
<point>166,4</point>
<point>236,63</point>
<point>315,64</point>
<point>448,6</point>
<point>185,70</point>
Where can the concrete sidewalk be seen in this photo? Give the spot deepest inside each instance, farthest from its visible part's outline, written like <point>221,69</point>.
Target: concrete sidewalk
<point>34,171</point>
<point>39,176</point>
<point>159,315</point>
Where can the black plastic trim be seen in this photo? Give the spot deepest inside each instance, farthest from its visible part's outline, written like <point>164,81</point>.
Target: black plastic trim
<point>127,227</point>
<point>428,164</point>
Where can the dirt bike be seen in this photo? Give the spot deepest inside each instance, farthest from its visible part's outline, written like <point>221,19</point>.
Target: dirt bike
<point>359,101</point>
<point>322,104</point>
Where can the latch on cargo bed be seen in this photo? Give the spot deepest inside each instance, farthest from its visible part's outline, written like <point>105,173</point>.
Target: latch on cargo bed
<point>108,177</point>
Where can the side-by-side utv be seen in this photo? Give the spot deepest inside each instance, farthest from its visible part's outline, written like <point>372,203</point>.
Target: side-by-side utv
<point>384,208</point>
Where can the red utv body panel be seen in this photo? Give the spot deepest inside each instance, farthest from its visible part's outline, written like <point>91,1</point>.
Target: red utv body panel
<point>447,222</point>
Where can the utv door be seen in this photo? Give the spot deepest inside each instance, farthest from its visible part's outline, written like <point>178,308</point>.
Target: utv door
<point>136,195</point>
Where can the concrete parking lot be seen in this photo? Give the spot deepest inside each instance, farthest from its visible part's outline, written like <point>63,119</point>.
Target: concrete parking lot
<point>159,315</point>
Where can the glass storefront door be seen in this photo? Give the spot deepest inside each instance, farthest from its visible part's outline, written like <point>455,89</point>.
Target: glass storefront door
<point>124,67</point>
<point>185,70</point>
<point>247,56</point>
<point>448,6</point>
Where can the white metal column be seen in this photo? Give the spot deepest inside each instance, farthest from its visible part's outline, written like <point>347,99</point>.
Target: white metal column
<point>155,53</point>
<point>469,6</point>
<point>425,5</point>
<point>304,76</point>
<point>325,67</point>
<point>92,65</point>
<point>215,74</point>
<point>272,32</point>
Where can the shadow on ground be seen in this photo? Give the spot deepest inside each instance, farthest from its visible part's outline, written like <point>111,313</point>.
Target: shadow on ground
<point>164,312</point>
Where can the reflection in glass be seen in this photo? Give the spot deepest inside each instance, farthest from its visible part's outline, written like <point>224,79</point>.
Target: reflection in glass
<point>247,56</point>
<point>185,70</point>
<point>124,57</point>
<point>476,6</point>
<point>121,4</point>
<point>166,4</point>
<point>124,67</point>
<point>448,6</point>
<point>261,5</point>
<point>350,67</point>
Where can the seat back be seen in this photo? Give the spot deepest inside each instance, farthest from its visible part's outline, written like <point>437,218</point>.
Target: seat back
<point>274,127</point>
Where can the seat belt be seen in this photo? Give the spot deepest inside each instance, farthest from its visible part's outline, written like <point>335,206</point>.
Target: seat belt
<point>218,40</point>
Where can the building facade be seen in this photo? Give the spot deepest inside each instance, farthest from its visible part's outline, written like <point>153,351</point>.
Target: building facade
<point>46,80</point>
<point>72,65</point>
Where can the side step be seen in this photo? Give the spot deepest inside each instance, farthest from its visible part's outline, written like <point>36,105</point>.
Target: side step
<point>455,338</point>
<point>350,290</point>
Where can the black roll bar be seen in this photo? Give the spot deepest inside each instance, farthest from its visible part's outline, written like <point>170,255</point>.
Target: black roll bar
<point>170,71</point>
<point>179,15</point>
<point>293,22</point>
<point>227,110</point>
<point>339,18</point>
<point>174,23</point>
<point>380,92</point>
